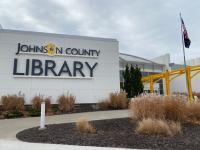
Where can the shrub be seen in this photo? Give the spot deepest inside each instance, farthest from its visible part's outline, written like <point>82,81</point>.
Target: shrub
<point>158,127</point>
<point>104,105</point>
<point>12,102</point>
<point>159,107</point>
<point>20,103</point>
<point>66,103</point>
<point>48,105</point>
<point>151,126</point>
<point>62,103</point>
<point>37,100</point>
<point>175,128</point>
<point>8,102</point>
<point>193,112</point>
<point>12,114</point>
<point>34,112</point>
<point>174,108</point>
<point>83,126</point>
<point>132,81</point>
<point>118,100</point>
<point>149,106</point>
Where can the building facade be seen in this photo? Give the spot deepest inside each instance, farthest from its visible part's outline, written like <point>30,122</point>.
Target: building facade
<point>51,65</point>
<point>179,84</point>
<point>147,67</point>
<point>90,68</point>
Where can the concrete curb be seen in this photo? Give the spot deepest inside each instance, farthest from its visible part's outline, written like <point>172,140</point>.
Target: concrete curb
<point>18,145</point>
<point>10,127</point>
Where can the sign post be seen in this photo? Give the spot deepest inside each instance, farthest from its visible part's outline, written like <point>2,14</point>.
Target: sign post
<point>42,117</point>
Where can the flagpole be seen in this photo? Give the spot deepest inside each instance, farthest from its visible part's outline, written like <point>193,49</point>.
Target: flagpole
<point>185,65</point>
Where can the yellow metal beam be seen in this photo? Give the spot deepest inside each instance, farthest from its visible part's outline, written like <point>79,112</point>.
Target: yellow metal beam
<point>166,75</point>
<point>192,76</point>
<point>155,81</point>
<point>151,85</point>
<point>167,83</point>
<point>174,77</point>
<point>189,84</point>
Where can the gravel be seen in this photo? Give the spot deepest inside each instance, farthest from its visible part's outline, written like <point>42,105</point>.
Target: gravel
<point>112,133</point>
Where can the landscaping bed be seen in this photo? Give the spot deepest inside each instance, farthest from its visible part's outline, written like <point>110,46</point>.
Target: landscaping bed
<point>13,106</point>
<point>113,133</point>
<point>29,112</point>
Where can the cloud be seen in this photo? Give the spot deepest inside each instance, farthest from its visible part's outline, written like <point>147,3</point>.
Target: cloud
<point>143,28</point>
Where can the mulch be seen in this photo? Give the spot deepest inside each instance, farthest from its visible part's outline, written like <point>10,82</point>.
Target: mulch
<point>112,133</point>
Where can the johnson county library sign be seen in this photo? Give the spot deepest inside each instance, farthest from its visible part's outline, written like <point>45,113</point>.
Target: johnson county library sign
<point>49,68</point>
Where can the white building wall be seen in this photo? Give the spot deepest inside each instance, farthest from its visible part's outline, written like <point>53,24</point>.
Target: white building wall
<point>106,74</point>
<point>179,84</point>
<point>163,59</point>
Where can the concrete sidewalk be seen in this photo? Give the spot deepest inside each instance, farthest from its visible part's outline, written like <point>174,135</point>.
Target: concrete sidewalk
<point>10,127</point>
<point>18,145</point>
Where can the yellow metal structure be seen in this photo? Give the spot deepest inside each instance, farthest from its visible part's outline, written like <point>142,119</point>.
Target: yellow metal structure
<point>170,75</point>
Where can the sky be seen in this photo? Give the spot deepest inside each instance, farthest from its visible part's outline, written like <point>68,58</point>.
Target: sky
<point>145,28</point>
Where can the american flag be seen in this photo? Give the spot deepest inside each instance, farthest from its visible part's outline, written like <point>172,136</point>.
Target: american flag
<point>185,35</point>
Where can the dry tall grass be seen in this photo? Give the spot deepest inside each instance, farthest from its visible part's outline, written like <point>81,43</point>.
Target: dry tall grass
<point>37,100</point>
<point>174,108</point>
<point>116,100</point>
<point>12,102</point>
<point>20,103</point>
<point>148,106</point>
<point>48,105</point>
<point>83,126</point>
<point>66,103</point>
<point>193,112</point>
<point>104,104</point>
<point>8,102</point>
<point>156,114</point>
<point>175,128</point>
<point>159,107</point>
<point>158,127</point>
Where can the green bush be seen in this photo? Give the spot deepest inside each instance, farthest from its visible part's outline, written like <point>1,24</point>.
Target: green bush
<point>12,114</point>
<point>132,81</point>
<point>34,112</point>
<point>55,109</point>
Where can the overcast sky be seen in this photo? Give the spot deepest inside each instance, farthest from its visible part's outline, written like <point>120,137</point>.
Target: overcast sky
<point>146,28</point>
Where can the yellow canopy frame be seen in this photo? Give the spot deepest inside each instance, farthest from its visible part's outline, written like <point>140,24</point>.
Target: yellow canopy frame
<point>170,75</point>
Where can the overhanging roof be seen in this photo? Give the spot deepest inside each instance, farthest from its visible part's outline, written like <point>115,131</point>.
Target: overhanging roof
<point>135,59</point>
<point>58,35</point>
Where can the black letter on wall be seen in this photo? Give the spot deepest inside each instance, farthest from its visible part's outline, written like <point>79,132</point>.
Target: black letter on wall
<point>51,67</point>
<point>91,68</point>
<point>78,68</point>
<point>64,68</point>
<point>36,64</point>
<point>15,68</point>
<point>27,67</point>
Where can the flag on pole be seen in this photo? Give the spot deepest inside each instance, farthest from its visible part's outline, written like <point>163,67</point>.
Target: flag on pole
<point>185,35</point>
